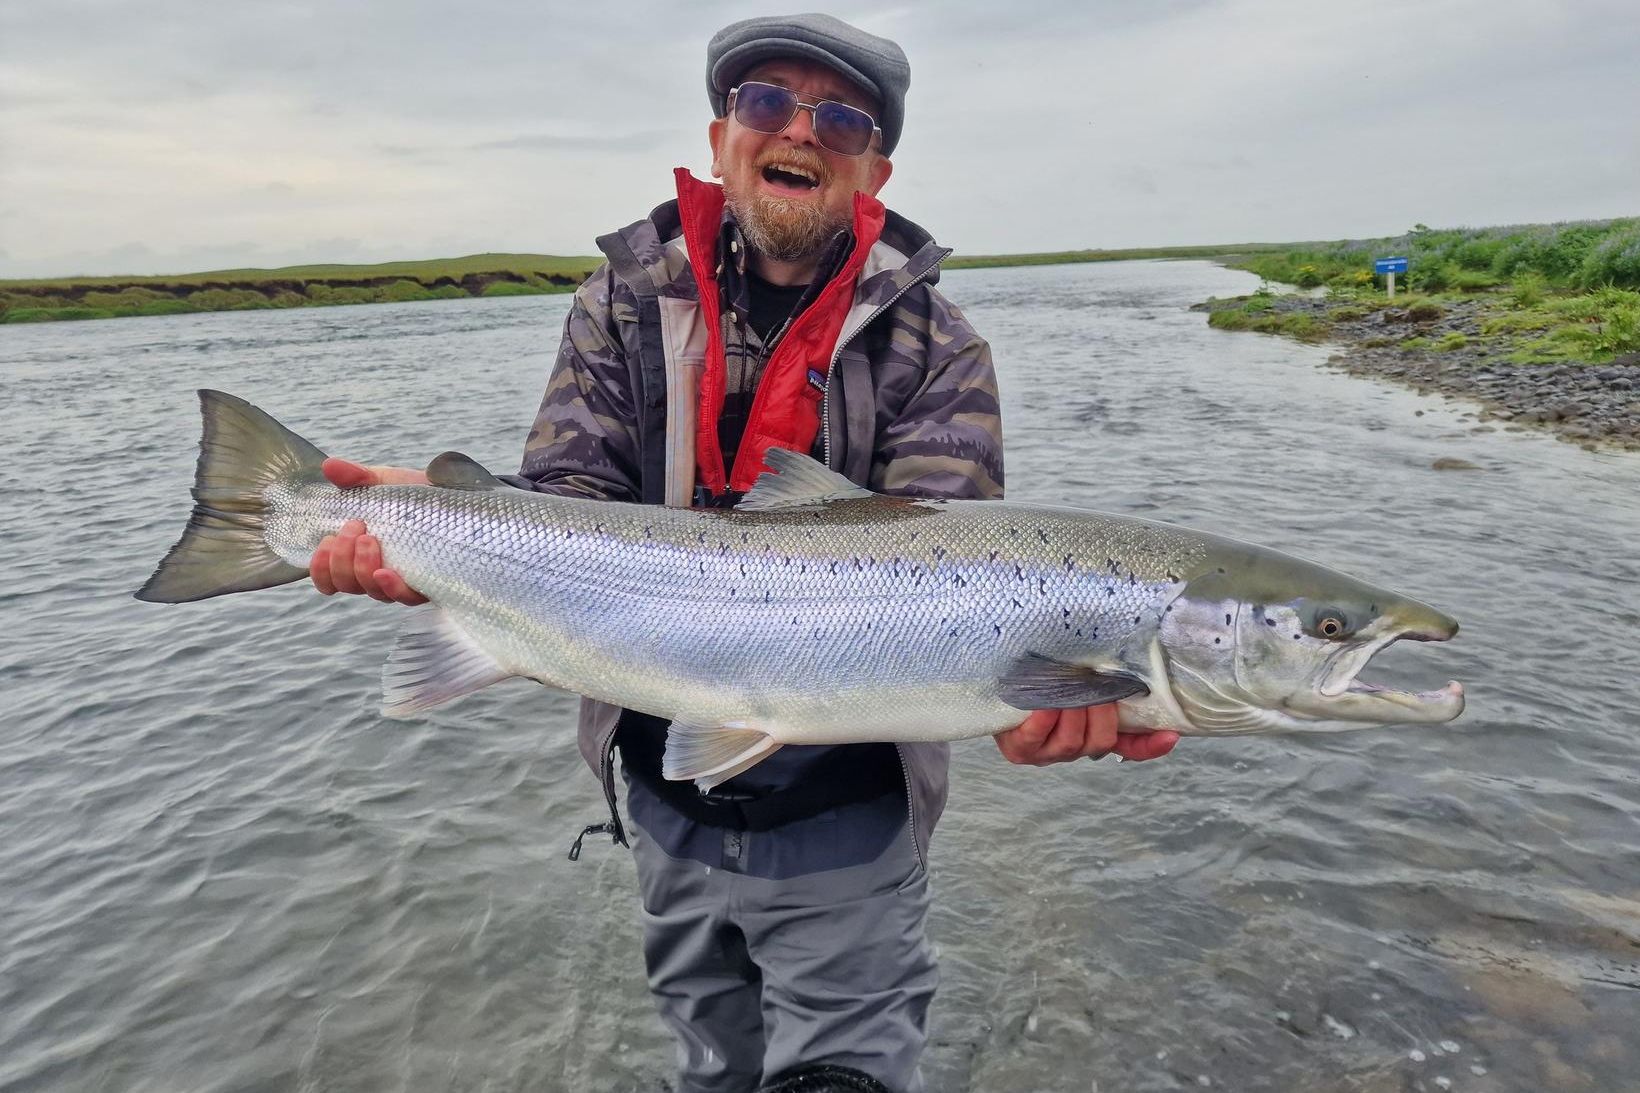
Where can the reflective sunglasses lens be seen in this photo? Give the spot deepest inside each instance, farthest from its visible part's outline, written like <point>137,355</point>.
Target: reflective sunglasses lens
<point>764,107</point>
<point>843,128</point>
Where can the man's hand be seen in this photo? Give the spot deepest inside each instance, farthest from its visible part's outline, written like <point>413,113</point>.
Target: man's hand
<point>1059,736</point>
<point>351,560</point>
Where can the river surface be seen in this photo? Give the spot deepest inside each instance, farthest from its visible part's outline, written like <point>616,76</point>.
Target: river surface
<point>221,870</point>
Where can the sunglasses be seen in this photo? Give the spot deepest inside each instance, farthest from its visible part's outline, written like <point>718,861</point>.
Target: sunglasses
<point>769,108</point>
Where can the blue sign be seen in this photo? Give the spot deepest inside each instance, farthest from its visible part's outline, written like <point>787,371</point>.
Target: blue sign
<point>1390,265</point>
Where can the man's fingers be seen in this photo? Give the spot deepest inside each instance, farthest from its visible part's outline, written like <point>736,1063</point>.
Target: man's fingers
<point>344,474</point>
<point>342,549</point>
<point>367,559</point>
<point>1139,746</point>
<point>1019,744</point>
<point>319,567</point>
<point>1065,741</point>
<point>389,581</point>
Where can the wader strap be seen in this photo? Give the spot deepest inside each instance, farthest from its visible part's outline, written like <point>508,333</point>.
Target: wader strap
<point>649,371</point>
<point>846,777</point>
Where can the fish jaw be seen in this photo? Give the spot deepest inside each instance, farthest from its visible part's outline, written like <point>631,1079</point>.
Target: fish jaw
<point>1283,648</point>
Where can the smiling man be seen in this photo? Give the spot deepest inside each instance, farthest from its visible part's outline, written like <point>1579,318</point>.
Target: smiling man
<point>783,912</point>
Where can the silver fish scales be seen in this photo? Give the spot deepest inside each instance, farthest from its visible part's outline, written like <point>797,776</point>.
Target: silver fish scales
<point>815,612</point>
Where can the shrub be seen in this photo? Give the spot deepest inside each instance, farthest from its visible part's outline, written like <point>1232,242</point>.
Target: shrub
<point>1454,340</point>
<point>1425,312</point>
<point>1615,260</point>
<point>1528,289</point>
<point>510,288</point>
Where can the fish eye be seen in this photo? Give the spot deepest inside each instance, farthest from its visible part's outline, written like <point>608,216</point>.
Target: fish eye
<point>1332,624</point>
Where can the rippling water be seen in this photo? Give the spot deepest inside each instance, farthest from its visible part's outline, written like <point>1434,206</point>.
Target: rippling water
<point>221,870</point>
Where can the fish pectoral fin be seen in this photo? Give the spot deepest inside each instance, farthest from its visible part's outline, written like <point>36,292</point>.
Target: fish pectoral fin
<point>794,480</point>
<point>434,661</point>
<point>455,471</point>
<point>713,754</point>
<point>1035,682</point>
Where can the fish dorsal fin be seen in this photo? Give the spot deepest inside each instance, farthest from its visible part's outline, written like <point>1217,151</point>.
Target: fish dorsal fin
<point>455,471</point>
<point>1036,682</point>
<point>794,480</point>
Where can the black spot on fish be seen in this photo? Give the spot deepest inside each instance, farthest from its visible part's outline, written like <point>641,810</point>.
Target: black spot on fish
<point>1078,631</point>
<point>1070,563</point>
<point>649,533</point>
<point>1136,620</point>
<point>1013,531</point>
<point>766,595</point>
<point>733,593</point>
<point>1040,534</point>
<point>1065,612</point>
<point>1016,603</point>
<point>703,536</point>
<point>997,628</point>
<point>834,567</point>
<point>1215,641</point>
<point>598,528</point>
<point>1227,619</point>
<point>743,569</point>
<point>1042,586</point>
<point>939,552</point>
<point>1269,622</point>
<point>953,631</point>
<point>745,536</point>
<point>702,568</point>
<point>958,581</point>
<point>994,558</point>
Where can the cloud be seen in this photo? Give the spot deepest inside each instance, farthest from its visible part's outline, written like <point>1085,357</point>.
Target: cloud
<point>409,127</point>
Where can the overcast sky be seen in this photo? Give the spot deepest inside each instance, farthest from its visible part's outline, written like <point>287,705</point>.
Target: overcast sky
<point>175,136</point>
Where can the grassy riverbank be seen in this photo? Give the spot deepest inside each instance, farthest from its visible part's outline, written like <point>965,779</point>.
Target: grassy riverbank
<point>395,282</point>
<point>1539,324</point>
<point>290,286</point>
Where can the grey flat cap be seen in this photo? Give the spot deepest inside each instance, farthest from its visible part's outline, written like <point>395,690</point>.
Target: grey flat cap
<point>876,64</point>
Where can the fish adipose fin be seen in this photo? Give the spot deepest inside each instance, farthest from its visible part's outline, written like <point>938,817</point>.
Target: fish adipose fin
<point>455,471</point>
<point>713,754</point>
<point>1036,682</point>
<point>434,661</point>
<point>795,480</point>
<point>242,452</point>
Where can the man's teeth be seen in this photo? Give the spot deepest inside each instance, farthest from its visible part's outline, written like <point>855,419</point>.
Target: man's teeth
<point>773,173</point>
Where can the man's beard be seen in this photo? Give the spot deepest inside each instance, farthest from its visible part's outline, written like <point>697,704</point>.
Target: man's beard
<point>784,229</point>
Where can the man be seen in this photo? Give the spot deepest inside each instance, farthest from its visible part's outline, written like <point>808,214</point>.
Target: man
<point>783,912</point>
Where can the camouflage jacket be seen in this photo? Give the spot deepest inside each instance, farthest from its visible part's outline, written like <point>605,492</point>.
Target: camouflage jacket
<point>909,407</point>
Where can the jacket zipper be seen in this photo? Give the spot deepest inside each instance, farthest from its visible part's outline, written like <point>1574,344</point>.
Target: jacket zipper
<point>825,388</point>
<point>910,806</point>
<point>825,434</point>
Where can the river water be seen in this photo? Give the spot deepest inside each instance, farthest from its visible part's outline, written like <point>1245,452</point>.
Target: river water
<point>221,870</point>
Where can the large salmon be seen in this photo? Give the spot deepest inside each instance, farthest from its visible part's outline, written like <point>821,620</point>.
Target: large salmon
<point>815,611</point>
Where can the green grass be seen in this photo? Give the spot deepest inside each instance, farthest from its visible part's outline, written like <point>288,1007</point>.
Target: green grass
<point>290,286</point>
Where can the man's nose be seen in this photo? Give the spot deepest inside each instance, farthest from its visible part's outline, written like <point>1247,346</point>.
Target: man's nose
<point>801,128</point>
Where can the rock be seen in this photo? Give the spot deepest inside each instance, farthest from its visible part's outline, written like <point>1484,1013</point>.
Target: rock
<point>1452,463</point>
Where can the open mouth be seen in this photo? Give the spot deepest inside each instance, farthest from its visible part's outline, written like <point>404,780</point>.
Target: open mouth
<point>1344,695</point>
<point>790,178</point>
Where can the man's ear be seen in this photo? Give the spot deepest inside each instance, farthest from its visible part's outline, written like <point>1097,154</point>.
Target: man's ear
<point>714,135</point>
<point>878,176</point>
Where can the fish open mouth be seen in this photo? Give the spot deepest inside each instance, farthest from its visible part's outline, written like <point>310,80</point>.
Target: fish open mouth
<point>1342,695</point>
<point>790,177</point>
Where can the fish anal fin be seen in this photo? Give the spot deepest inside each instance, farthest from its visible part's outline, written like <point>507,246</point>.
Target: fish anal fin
<point>794,480</point>
<point>454,471</point>
<point>713,754</point>
<point>1035,682</point>
<point>434,661</point>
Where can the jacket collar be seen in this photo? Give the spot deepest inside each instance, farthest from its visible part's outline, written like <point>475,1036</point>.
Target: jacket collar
<point>904,253</point>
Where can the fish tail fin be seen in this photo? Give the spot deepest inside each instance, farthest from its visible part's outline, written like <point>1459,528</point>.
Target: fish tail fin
<point>242,452</point>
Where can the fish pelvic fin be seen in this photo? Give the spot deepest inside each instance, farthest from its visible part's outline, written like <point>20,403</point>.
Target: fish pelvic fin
<point>434,661</point>
<point>713,754</point>
<point>242,451</point>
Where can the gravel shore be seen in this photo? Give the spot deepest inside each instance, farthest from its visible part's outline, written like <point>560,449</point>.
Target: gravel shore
<point>1595,405</point>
